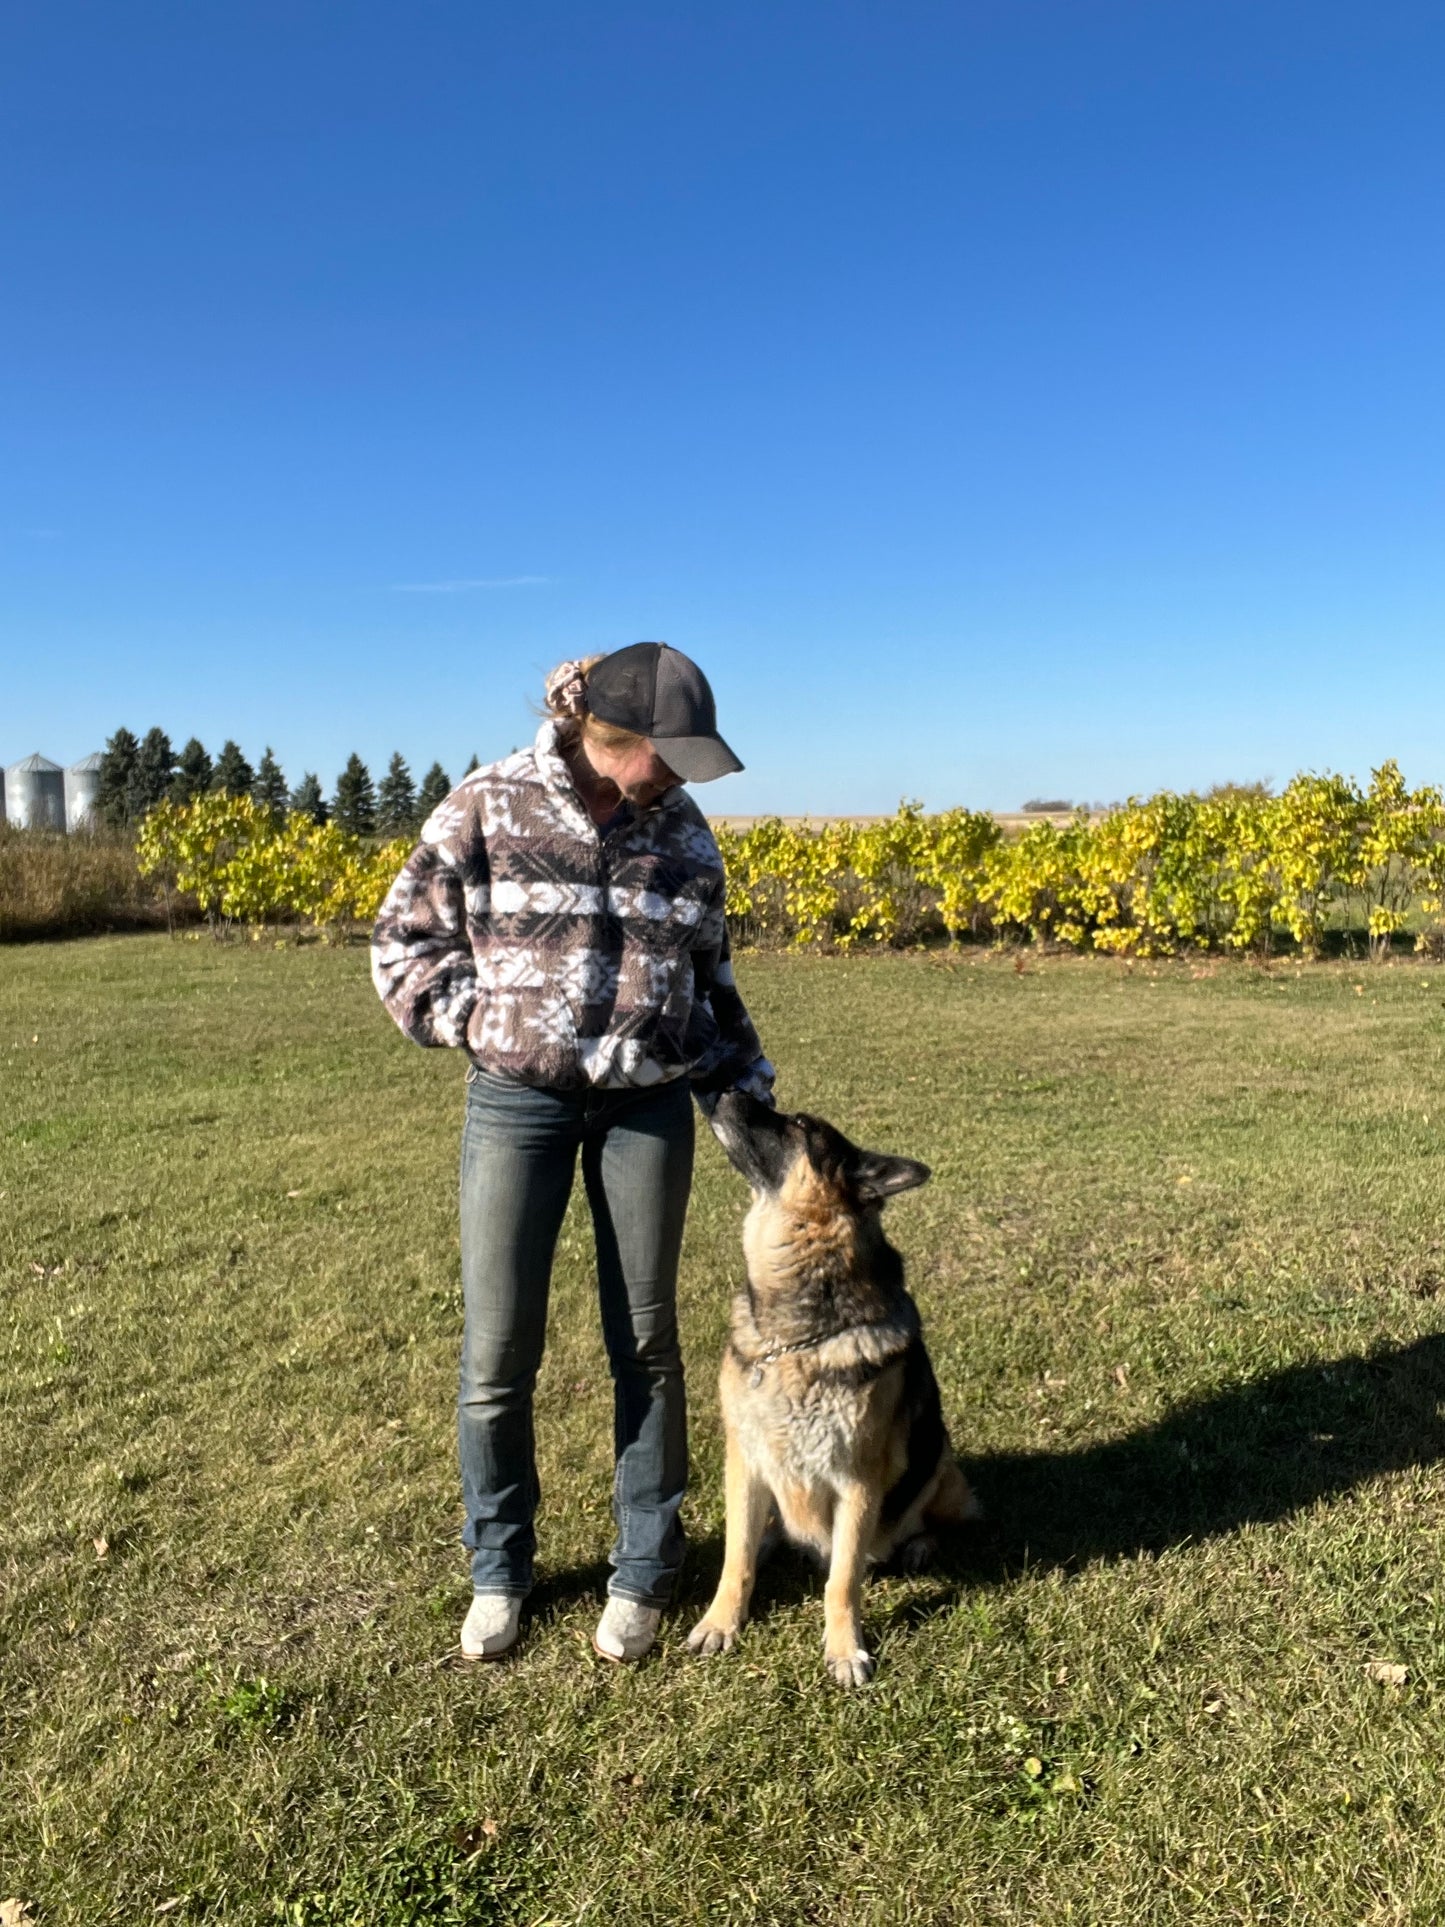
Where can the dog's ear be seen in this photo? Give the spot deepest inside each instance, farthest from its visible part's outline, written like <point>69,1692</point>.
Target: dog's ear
<point>876,1176</point>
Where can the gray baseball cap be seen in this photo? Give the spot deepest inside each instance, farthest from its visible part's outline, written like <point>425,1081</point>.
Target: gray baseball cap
<point>662,694</point>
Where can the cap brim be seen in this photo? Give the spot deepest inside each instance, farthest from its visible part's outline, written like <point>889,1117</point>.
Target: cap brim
<point>696,759</point>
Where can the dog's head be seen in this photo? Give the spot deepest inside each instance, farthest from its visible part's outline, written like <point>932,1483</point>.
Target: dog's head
<point>779,1152</point>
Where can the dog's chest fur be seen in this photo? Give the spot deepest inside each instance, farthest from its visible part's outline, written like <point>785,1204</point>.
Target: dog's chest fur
<point>811,1422</point>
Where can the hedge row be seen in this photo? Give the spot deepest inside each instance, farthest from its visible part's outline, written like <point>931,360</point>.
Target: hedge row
<point>241,863</point>
<point>1238,870</point>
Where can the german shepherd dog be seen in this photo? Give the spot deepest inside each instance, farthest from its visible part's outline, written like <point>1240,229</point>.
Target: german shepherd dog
<point>831,1410</point>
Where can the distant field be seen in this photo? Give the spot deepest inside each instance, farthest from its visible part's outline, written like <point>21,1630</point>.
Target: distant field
<point>68,886</point>
<point>1182,1265</point>
<point>1008,820</point>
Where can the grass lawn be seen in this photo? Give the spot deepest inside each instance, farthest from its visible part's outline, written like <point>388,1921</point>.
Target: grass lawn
<point>1181,1267</point>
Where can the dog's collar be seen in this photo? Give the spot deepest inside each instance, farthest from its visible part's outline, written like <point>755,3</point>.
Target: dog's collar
<point>770,1352</point>
<point>905,1332</point>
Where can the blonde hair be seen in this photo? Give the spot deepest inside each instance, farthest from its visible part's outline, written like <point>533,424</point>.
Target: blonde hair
<point>566,702</point>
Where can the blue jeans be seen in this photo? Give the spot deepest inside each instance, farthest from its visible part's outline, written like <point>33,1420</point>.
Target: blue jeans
<point>519,1153</point>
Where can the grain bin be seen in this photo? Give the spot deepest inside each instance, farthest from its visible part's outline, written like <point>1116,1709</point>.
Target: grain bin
<point>82,786</point>
<point>35,794</point>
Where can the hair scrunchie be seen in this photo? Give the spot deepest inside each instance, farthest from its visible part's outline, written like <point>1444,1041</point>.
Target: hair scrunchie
<point>566,690</point>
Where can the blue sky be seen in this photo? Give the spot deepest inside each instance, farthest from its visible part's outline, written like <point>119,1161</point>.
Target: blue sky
<point>997,399</point>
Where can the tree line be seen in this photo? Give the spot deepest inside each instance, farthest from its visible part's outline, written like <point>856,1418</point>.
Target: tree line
<point>137,774</point>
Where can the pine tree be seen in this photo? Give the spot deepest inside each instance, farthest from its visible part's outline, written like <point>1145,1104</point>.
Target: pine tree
<point>476,763</point>
<point>155,765</point>
<point>354,805</point>
<point>193,773</point>
<point>233,775</point>
<point>396,800</point>
<point>307,799</point>
<point>115,776</point>
<point>436,787</point>
<point>268,787</point>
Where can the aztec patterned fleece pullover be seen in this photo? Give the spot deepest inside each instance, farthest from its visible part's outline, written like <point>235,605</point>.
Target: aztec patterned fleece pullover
<point>560,955</point>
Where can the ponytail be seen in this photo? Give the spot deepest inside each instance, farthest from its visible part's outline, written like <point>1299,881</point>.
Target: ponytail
<point>565,700</point>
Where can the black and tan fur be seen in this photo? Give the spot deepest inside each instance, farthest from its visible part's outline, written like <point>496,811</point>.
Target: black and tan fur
<point>831,1410</point>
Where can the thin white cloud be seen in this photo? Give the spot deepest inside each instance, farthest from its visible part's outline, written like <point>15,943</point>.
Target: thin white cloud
<point>460,586</point>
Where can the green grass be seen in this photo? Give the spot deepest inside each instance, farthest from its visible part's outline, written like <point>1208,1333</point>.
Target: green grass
<point>1179,1265</point>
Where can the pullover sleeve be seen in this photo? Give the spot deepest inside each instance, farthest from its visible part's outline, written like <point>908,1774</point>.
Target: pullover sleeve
<point>421,955</point>
<point>734,1059</point>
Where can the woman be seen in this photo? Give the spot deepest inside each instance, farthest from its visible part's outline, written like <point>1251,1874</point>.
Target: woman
<point>561,921</point>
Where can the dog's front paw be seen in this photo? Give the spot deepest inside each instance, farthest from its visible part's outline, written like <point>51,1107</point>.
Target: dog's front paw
<point>712,1636</point>
<point>851,1668</point>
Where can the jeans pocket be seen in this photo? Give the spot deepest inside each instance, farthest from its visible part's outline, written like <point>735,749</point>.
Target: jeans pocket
<point>493,1080</point>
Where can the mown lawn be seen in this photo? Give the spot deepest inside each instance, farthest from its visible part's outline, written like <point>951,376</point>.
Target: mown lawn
<point>1181,1266</point>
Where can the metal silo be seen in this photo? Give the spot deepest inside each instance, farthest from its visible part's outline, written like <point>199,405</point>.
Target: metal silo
<point>35,794</point>
<point>82,785</point>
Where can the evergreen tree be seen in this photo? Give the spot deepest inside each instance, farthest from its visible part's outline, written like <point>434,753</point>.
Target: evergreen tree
<point>115,777</point>
<point>150,778</point>
<point>354,805</point>
<point>269,785</point>
<point>436,787</point>
<point>233,775</point>
<point>396,800</point>
<point>476,763</point>
<point>307,799</point>
<point>193,773</point>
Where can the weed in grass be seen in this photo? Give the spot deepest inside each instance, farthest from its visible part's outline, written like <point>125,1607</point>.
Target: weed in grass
<point>248,1706</point>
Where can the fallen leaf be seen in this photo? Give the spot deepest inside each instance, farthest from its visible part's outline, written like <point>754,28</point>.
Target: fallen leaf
<point>1214,1706</point>
<point>1121,1376</point>
<point>1359,989</point>
<point>102,1547</point>
<point>1033,1766</point>
<point>169,1906</point>
<point>1186,1179</point>
<point>15,1913</point>
<point>1387,1673</point>
<point>293,1194</point>
<point>471,1839</point>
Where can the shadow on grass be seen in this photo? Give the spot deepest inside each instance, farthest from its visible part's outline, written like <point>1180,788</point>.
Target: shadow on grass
<point>554,1592</point>
<point>1250,1452</point>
